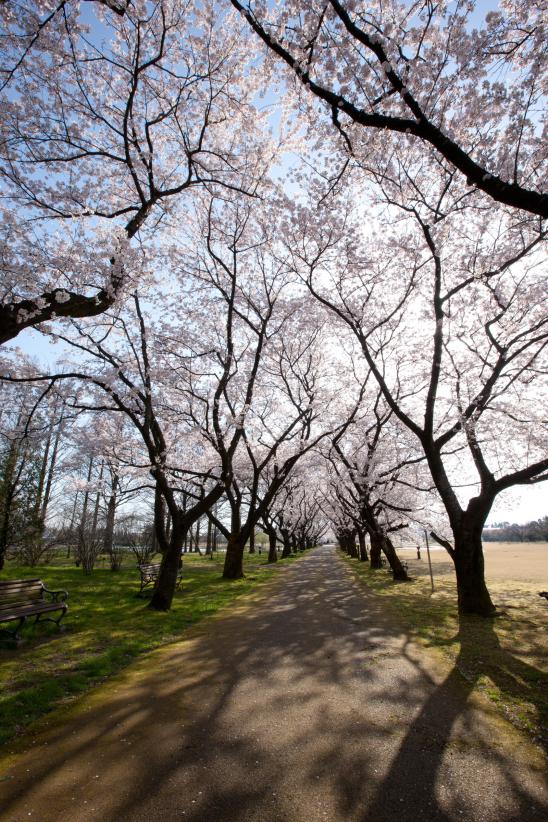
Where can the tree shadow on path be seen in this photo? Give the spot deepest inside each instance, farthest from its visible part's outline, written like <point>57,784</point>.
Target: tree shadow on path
<point>416,778</point>
<point>310,705</point>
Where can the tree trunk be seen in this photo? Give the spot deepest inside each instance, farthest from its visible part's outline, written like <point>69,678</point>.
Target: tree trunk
<point>375,551</point>
<point>234,558</point>
<point>42,478</point>
<point>81,530</point>
<point>351,542</point>
<point>252,541</point>
<point>51,470</point>
<point>108,539</point>
<point>4,530</point>
<point>473,596</point>
<point>97,501</point>
<point>197,537</point>
<point>363,547</point>
<point>164,589</point>
<point>286,552</point>
<point>272,553</point>
<point>8,485</point>
<point>398,571</point>
<point>71,534</point>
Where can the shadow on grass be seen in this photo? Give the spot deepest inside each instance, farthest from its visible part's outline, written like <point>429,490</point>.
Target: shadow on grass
<point>517,687</point>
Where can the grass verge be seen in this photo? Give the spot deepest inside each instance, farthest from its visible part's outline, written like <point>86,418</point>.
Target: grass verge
<point>504,658</point>
<point>107,627</point>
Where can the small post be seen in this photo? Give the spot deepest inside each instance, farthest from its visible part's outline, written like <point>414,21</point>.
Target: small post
<point>429,560</point>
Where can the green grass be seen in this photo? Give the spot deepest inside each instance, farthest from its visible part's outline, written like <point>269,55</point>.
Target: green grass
<point>503,658</point>
<point>107,626</point>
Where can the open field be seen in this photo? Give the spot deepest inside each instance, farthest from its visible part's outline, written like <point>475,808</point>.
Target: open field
<point>509,561</point>
<point>505,657</point>
<point>107,626</point>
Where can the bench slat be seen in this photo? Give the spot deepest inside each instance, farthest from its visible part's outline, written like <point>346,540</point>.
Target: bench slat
<point>8,587</point>
<point>29,610</point>
<point>21,593</point>
<point>20,602</point>
<point>16,586</point>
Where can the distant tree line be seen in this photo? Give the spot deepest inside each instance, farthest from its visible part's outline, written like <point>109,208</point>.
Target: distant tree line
<point>534,531</point>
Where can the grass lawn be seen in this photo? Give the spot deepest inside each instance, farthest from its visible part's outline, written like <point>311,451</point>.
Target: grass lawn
<point>107,626</point>
<point>504,658</point>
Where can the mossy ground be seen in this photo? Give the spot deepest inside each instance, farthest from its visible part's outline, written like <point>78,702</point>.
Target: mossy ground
<point>107,627</point>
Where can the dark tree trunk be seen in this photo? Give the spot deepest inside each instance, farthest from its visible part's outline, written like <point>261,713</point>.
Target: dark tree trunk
<point>197,537</point>
<point>352,550</point>
<point>467,526</point>
<point>6,522</point>
<point>96,508</point>
<point>473,596</point>
<point>347,541</point>
<point>234,558</point>
<point>4,532</point>
<point>81,530</point>
<point>286,552</point>
<point>164,589</point>
<point>51,470</point>
<point>398,571</point>
<point>363,547</point>
<point>375,552</point>
<point>252,541</point>
<point>272,553</point>
<point>171,548</point>
<point>108,539</point>
<point>42,480</point>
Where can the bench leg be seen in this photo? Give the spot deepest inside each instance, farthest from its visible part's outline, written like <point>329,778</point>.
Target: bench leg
<point>57,621</point>
<point>142,588</point>
<point>41,618</point>
<point>14,635</point>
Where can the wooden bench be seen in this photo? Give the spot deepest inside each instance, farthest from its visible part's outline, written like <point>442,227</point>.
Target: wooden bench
<point>24,598</point>
<point>149,574</point>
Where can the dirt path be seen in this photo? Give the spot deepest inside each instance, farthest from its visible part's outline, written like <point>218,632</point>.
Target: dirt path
<point>308,705</point>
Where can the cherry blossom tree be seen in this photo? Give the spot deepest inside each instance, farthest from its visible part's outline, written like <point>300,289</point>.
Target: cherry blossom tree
<point>419,71</point>
<point>259,389</point>
<point>118,477</point>
<point>448,310</point>
<point>111,112</point>
<point>118,373</point>
<point>369,483</point>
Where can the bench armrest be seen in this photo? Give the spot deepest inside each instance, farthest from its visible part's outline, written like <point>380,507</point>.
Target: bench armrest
<point>58,596</point>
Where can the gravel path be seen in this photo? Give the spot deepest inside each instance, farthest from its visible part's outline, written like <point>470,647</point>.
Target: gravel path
<point>306,705</point>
